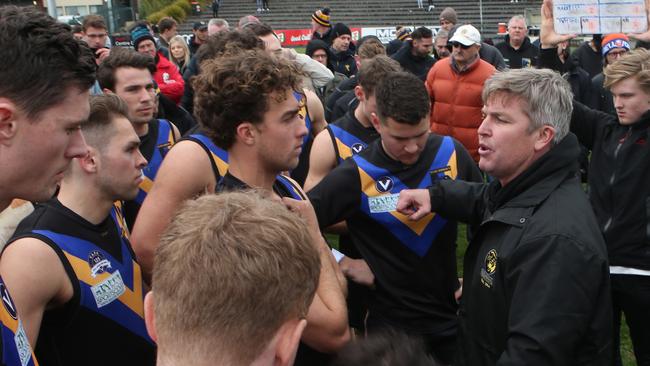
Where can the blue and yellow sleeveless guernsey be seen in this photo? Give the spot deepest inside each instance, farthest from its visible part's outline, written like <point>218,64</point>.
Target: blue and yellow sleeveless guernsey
<point>103,322</point>
<point>349,136</point>
<point>218,156</point>
<point>414,262</point>
<point>299,174</point>
<point>283,187</point>
<point>153,146</point>
<point>16,350</point>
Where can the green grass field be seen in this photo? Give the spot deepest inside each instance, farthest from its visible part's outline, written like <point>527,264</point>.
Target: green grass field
<point>626,345</point>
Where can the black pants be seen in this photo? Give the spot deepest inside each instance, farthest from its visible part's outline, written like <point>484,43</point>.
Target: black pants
<point>441,346</point>
<point>631,296</point>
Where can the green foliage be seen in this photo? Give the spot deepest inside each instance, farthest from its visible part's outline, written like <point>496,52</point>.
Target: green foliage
<point>185,5</point>
<point>154,18</point>
<point>175,12</point>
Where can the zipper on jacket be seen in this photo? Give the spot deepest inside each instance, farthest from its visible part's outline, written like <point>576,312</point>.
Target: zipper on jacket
<point>612,179</point>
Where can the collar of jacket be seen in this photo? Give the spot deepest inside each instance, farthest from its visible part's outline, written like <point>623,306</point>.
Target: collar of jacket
<point>408,48</point>
<point>643,122</point>
<point>340,55</point>
<point>524,45</point>
<point>541,178</point>
<point>468,68</point>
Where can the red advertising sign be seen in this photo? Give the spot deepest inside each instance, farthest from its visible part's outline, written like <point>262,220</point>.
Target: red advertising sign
<point>300,37</point>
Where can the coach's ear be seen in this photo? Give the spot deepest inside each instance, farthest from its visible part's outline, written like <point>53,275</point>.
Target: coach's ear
<point>288,340</point>
<point>149,319</point>
<point>8,120</point>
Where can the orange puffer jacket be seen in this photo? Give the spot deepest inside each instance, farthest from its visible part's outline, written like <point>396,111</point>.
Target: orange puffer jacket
<point>456,101</point>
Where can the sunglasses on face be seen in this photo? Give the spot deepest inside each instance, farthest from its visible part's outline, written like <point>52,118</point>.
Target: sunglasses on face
<point>458,44</point>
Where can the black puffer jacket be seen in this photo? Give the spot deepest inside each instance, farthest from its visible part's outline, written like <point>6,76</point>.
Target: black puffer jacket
<point>619,182</point>
<point>536,283</point>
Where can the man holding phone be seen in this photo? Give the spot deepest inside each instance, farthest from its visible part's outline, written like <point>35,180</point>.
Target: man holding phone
<point>95,34</point>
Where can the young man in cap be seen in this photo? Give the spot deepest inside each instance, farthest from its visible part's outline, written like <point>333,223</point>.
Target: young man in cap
<point>320,25</point>
<point>613,46</point>
<point>199,37</point>
<point>455,86</point>
<point>448,19</point>
<point>342,57</point>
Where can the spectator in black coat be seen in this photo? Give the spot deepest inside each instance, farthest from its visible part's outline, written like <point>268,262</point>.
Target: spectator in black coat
<point>342,59</point>
<point>415,55</point>
<point>516,47</point>
<point>613,46</point>
<point>402,34</point>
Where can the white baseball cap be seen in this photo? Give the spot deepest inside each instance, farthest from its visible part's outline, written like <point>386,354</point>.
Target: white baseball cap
<point>466,35</point>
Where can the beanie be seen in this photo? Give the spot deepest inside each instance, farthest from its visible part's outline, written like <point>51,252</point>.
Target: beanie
<point>140,33</point>
<point>449,14</point>
<point>614,40</point>
<point>340,29</point>
<point>403,34</point>
<point>322,17</point>
<point>314,45</point>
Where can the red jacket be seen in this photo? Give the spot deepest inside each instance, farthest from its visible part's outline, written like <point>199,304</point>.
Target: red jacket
<point>456,101</point>
<point>169,79</point>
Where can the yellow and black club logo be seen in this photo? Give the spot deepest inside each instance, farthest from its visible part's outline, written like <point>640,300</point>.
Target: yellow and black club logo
<point>491,261</point>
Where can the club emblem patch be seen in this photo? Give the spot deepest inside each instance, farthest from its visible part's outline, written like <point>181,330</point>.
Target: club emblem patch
<point>489,268</point>
<point>98,263</point>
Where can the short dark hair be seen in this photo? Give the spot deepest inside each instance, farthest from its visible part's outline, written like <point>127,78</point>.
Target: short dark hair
<point>94,21</point>
<point>166,23</point>
<point>40,60</point>
<point>103,109</point>
<point>233,89</point>
<point>122,57</point>
<point>402,97</point>
<point>374,70</point>
<point>260,29</point>
<point>388,348</point>
<point>422,32</point>
<point>229,42</point>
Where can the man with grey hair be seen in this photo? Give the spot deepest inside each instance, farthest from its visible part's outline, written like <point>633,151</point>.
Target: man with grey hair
<point>217,25</point>
<point>516,48</point>
<point>440,47</point>
<point>536,281</point>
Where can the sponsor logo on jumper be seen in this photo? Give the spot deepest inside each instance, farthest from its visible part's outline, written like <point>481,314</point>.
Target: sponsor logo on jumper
<point>384,184</point>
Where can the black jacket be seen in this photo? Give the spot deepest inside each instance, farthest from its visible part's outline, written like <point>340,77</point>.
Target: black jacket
<point>417,65</point>
<point>588,59</point>
<point>515,58</point>
<point>536,283</point>
<point>577,77</point>
<point>492,55</point>
<point>343,62</point>
<point>193,46</point>
<point>601,98</point>
<point>619,182</point>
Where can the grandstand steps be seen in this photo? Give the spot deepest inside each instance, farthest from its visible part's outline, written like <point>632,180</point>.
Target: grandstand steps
<point>296,14</point>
